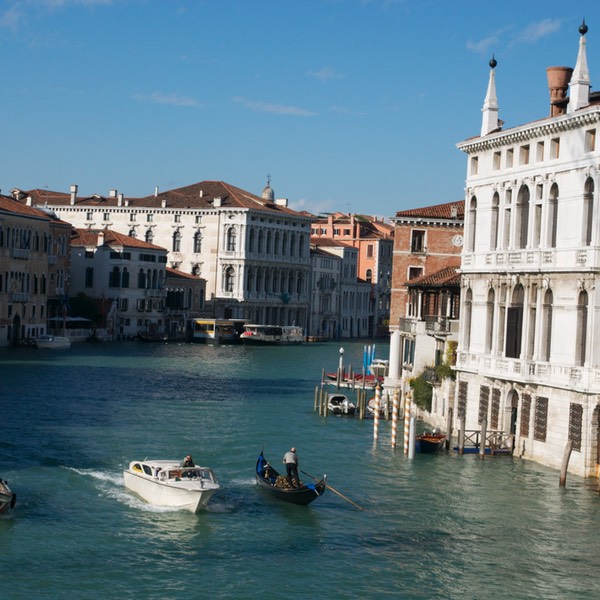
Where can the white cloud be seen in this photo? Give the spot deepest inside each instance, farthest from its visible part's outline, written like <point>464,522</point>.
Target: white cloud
<point>270,107</point>
<point>484,45</point>
<point>170,99</point>
<point>325,74</point>
<point>536,31</point>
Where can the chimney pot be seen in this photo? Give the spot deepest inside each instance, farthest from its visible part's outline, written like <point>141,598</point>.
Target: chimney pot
<point>558,84</point>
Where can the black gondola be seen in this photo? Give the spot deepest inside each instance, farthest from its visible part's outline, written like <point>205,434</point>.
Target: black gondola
<point>267,478</point>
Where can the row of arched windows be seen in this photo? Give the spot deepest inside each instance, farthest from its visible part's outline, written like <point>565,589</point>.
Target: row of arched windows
<point>175,240</point>
<point>25,238</point>
<point>530,221</point>
<point>278,281</point>
<point>276,242</point>
<point>151,279</point>
<point>511,325</point>
<point>24,283</point>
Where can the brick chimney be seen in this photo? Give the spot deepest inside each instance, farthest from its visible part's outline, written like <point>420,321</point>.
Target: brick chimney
<point>558,84</point>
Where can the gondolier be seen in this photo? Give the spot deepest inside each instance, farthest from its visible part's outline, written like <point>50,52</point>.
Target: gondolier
<point>290,459</point>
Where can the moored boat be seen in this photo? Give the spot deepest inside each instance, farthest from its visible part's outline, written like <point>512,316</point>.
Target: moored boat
<point>339,404</point>
<point>166,483</point>
<point>218,331</point>
<point>272,334</point>
<point>429,442</point>
<point>277,485</point>
<point>7,497</point>
<point>54,342</point>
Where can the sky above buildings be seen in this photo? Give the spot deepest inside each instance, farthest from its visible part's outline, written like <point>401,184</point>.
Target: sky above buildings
<point>350,105</point>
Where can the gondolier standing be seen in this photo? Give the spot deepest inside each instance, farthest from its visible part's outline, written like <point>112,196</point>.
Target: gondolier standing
<point>290,460</point>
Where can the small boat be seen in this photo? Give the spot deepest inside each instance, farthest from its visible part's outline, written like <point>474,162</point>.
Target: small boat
<point>371,406</point>
<point>7,498</point>
<point>278,485</point>
<point>272,334</point>
<point>166,483</point>
<point>339,404</point>
<point>55,342</point>
<point>429,442</point>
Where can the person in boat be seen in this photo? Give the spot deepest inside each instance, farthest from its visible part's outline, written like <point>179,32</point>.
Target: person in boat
<point>290,459</point>
<point>188,461</point>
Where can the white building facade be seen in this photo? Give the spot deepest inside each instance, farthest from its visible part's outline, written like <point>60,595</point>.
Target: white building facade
<point>528,359</point>
<point>252,251</point>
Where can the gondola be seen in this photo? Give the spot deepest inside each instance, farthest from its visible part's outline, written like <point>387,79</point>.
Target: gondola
<point>268,479</point>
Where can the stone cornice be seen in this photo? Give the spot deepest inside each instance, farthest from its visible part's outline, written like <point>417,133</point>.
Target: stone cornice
<point>531,131</point>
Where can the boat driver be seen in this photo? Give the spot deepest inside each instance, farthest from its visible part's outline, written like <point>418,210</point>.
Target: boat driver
<point>290,460</point>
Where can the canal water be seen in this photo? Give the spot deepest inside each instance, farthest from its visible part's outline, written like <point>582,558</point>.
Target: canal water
<point>435,527</point>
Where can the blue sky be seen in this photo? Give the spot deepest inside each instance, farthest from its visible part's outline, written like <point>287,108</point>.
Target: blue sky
<point>351,105</point>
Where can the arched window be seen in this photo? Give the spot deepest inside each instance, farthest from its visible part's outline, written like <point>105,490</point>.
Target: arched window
<point>149,236</point>
<point>293,245</point>
<point>142,279</point>
<point>514,323</point>
<point>125,278</point>
<point>581,331</point>
<point>546,341</point>
<point>522,216</point>
<point>277,243</point>
<point>229,279</point>
<point>132,233</point>
<point>467,313</point>
<point>588,212</point>
<point>198,242</point>
<point>261,241</point>
<point>301,246</point>
<point>269,242</point>
<point>494,222</point>
<point>553,216</point>
<point>231,239</point>
<point>114,277</point>
<point>177,241</point>
<point>472,224</point>
<point>489,321</point>
<point>251,240</point>
<point>369,275</point>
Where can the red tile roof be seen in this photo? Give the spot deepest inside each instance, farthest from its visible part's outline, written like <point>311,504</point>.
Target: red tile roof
<point>198,195</point>
<point>449,276</point>
<point>89,237</point>
<point>439,211</point>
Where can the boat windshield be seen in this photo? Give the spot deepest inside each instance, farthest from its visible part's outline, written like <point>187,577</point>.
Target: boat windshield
<point>192,473</point>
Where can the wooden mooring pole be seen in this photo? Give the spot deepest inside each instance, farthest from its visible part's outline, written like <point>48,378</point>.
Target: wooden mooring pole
<point>565,463</point>
<point>394,417</point>
<point>461,434</point>
<point>483,436</point>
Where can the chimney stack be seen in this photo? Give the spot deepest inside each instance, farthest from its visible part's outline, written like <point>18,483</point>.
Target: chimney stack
<point>558,84</point>
<point>120,200</point>
<point>73,194</point>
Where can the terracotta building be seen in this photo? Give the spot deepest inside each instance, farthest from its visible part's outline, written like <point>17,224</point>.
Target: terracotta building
<point>426,240</point>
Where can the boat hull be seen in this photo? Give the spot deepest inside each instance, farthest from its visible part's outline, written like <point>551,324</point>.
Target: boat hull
<point>430,444</point>
<point>301,496</point>
<point>184,494</point>
<point>7,498</point>
<point>53,342</point>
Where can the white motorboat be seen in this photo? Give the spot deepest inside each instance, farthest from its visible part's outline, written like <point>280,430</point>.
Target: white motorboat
<point>272,334</point>
<point>339,404</point>
<point>7,498</point>
<point>55,342</point>
<point>166,483</point>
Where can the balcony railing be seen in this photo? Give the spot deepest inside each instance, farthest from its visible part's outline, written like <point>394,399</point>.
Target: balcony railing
<point>407,325</point>
<point>437,325</point>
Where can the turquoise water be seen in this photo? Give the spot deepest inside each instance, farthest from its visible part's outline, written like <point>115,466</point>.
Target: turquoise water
<point>442,526</point>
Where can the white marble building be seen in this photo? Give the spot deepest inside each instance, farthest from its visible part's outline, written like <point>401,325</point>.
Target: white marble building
<point>529,344</point>
<point>253,251</point>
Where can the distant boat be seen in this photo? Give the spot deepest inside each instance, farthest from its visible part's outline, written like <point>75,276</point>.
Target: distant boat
<point>166,483</point>
<point>218,331</point>
<point>7,498</point>
<point>429,442</point>
<point>152,336</point>
<point>339,404</point>
<point>55,342</point>
<point>277,485</point>
<point>272,334</point>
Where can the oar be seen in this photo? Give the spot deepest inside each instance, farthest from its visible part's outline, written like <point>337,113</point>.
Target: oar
<point>334,491</point>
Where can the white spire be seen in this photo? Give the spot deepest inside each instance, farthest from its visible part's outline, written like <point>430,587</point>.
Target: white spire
<point>489,121</point>
<point>579,86</point>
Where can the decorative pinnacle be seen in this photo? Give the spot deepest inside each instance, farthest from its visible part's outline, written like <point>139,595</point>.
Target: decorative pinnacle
<point>583,28</point>
<point>493,62</point>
